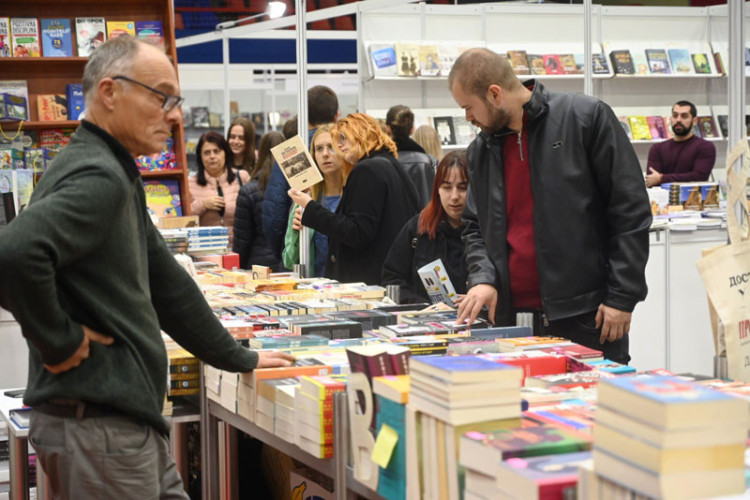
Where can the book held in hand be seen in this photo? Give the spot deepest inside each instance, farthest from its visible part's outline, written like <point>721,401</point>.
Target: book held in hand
<point>296,164</point>
<point>437,283</point>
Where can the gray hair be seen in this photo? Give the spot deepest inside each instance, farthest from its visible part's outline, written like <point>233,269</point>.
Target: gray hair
<point>115,57</point>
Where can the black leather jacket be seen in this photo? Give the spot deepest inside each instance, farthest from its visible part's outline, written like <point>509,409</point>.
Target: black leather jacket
<point>591,209</point>
<point>419,166</point>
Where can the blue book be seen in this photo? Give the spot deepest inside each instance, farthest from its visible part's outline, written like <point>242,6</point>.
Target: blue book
<point>76,102</point>
<point>670,402</point>
<point>463,369</point>
<point>150,32</point>
<point>681,62</point>
<point>56,38</point>
<point>606,365</point>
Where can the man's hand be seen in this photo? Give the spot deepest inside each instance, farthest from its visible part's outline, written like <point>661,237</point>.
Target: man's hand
<point>273,359</point>
<point>653,178</point>
<point>615,324</point>
<point>82,352</point>
<point>299,197</point>
<point>478,296</point>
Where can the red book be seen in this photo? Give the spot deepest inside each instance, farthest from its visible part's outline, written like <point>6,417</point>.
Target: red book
<point>575,351</point>
<point>533,363</point>
<point>552,64</point>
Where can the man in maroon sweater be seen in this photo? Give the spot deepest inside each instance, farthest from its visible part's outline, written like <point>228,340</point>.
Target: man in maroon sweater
<point>685,157</point>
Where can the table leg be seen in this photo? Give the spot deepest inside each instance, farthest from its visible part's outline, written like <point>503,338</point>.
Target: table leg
<point>19,466</point>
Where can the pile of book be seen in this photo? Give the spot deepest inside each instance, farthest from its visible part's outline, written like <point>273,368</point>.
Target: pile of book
<point>667,437</point>
<point>313,408</point>
<point>184,377</point>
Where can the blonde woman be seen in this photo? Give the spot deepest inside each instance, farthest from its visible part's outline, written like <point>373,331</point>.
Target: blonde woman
<point>377,200</point>
<point>428,138</point>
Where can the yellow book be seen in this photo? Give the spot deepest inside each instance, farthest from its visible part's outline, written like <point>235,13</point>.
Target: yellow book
<point>119,28</point>
<point>639,127</point>
<point>393,387</point>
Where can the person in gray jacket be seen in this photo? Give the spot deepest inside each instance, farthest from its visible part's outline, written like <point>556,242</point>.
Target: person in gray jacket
<point>419,166</point>
<point>558,216</point>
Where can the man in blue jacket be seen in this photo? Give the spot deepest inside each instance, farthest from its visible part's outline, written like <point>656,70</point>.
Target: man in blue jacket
<point>322,108</point>
<point>558,214</point>
<point>92,284</point>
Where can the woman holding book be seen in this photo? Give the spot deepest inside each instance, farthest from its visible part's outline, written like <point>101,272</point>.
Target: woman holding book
<point>377,200</point>
<point>326,193</point>
<point>214,188</point>
<point>241,139</point>
<point>249,238</point>
<point>433,234</point>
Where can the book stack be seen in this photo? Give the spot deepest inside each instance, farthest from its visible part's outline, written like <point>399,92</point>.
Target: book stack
<point>666,437</point>
<point>275,410</point>
<point>531,343</point>
<point>314,413</point>
<point>499,465</point>
<point>183,377</point>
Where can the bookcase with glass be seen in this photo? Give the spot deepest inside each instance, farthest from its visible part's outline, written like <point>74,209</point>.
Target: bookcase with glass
<point>44,47</point>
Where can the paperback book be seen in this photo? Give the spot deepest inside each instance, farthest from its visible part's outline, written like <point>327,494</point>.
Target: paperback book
<point>5,37</point>
<point>296,164</point>
<point>622,62</point>
<point>658,62</point>
<point>681,61</point>
<point>57,40</point>
<point>383,59</point>
<point>151,32</point>
<point>90,34</point>
<point>163,198</point>
<point>24,32</point>
<point>119,28</point>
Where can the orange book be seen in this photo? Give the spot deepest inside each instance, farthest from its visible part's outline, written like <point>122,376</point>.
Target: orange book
<point>52,107</point>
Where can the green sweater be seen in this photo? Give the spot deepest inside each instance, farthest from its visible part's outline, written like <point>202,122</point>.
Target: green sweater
<point>84,252</point>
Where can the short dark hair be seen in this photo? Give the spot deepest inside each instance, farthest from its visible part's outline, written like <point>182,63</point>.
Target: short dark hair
<point>322,105</point>
<point>693,111</point>
<point>289,129</point>
<point>476,69</point>
<point>401,120</point>
<point>218,139</point>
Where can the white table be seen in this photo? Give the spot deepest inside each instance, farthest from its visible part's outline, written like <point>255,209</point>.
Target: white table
<point>19,453</point>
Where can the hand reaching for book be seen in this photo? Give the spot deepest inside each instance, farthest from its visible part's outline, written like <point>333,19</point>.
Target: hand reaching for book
<point>273,359</point>
<point>477,297</point>
<point>82,352</point>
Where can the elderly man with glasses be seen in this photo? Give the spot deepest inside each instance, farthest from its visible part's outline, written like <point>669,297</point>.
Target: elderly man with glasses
<point>92,284</point>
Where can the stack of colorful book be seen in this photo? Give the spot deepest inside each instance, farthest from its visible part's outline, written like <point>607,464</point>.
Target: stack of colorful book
<point>314,413</point>
<point>667,437</point>
<point>392,395</point>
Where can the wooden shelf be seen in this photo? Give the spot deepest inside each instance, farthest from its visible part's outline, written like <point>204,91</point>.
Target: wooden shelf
<point>39,125</point>
<point>157,174</point>
<point>44,60</point>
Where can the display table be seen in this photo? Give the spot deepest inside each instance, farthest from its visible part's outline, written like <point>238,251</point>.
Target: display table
<point>19,453</point>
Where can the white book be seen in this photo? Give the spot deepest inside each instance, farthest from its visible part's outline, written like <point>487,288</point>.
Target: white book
<point>382,59</point>
<point>91,32</point>
<point>437,282</point>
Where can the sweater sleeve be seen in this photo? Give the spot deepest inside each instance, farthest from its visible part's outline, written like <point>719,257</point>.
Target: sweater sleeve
<point>365,194</point>
<point>703,164</point>
<point>654,158</point>
<point>185,315</point>
<point>51,233</point>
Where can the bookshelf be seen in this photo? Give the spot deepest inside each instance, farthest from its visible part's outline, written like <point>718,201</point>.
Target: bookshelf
<point>50,75</point>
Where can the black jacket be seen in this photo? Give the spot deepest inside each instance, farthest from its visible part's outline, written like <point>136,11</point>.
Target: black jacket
<point>410,251</point>
<point>249,238</point>
<point>591,209</point>
<point>419,166</point>
<point>376,202</point>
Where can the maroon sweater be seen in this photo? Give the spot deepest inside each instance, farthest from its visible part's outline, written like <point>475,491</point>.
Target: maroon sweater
<point>686,161</point>
<point>519,205</point>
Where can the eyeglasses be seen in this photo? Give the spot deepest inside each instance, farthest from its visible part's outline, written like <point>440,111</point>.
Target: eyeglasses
<point>170,101</point>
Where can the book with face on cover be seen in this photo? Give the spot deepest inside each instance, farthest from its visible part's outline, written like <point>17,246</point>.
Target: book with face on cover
<point>296,164</point>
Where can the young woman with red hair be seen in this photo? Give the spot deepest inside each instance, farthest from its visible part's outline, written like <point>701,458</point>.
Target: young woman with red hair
<point>435,233</point>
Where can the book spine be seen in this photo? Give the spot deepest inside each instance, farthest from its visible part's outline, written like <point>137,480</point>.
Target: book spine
<point>400,362</point>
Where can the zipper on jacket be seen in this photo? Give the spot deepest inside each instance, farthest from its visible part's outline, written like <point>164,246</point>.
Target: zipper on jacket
<point>520,144</point>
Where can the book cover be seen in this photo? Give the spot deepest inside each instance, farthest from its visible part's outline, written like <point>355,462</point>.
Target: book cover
<point>429,60</point>
<point>580,63</point>
<point>407,59</point>
<point>90,33</point>
<point>719,62</point>
<point>437,283</point>
<point>57,40</point>
<point>700,63</point>
<point>639,127</point>
<point>5,37</point>
<point>23,186</point>
<point>296,164</point>
<point>163,198</point>
<point>611,367</point>
<point>724,125</point>
<point>13,107</point>
<point>444,127</point>
<point>465,131</point>
<point>51,107</point>
<point>600,64</point>
<point>459,369</point>
<point>36,159</point>
<point>625,124</point>
<point>541,477</point>
<point>681,61</point>
<point>18,88</point>
<point>24,35</point>
<point>569,65</point>
<point>658,62</point>
<point>392,387</point>
<point>447,53</point>
<point>200,116</point>
<point>707,126</point>
<point>519,62</point>
<point>552,65</point>
<point>321,387</point>
<point>536,64</point>
<point>383,59</point>
<point>640,63</point>
<point>622,62</point>
<point>119,28</point>
<point>76,102</point>
<point>656,127</point>
<point>151,32</point>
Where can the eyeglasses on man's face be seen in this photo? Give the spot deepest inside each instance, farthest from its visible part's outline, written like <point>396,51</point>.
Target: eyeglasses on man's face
<point>170,101</point>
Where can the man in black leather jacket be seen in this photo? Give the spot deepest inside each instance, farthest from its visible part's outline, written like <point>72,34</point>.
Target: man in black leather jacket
<point>558,214</point>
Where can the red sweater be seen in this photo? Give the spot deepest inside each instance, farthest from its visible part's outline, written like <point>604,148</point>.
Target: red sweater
<point>519,206</point>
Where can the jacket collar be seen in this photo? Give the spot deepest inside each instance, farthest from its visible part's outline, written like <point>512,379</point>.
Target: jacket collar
<point>407,144</point>
<point>534,108</point>
<point>122,154</point>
